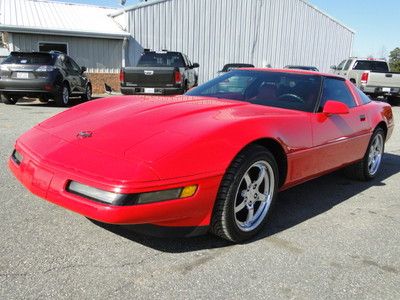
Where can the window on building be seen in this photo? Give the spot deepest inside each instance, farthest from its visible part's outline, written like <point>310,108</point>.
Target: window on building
<point>47,47</point>
<point>336,89</point>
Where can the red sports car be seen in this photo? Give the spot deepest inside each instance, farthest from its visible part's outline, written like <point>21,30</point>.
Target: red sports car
<point>211,160</point>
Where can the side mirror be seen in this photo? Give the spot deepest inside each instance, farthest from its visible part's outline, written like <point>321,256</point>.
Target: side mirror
<point>83,69</point>
<point>333,67</point>
<point>195,65</point>
<point>333,107</point>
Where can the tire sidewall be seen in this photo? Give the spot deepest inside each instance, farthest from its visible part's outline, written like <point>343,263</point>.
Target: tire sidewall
<point>235,232</point>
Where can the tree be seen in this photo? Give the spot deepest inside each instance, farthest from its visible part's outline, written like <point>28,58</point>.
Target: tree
<point>394,60</point>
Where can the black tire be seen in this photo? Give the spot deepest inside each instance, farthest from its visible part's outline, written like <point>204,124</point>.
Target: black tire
<point>62,98</point>
<point>88,93</point>
<point>225,222</point>
<point>353,81</point>
<point>394,101</point>
<point>7,99</point>
<point>362,170</point>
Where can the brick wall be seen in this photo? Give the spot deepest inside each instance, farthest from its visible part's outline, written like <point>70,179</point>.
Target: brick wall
<point>98,80</point>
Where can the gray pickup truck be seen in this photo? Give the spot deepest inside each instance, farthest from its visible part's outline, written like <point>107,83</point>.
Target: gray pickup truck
<point>372,76</point>
<point>159,73</point>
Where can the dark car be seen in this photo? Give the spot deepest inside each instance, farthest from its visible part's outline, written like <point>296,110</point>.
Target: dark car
<point>159,72</point>
<point>306,68</point>
<point>43,75</point>
<point>232,66</point>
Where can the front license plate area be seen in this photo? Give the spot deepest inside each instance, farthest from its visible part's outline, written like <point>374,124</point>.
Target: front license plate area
<point>149,90</point>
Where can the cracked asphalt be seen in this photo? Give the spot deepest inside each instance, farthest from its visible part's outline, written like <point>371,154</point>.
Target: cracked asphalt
<point>330,238</point>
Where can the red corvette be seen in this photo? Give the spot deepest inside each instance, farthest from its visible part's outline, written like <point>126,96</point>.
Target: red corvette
<point>213,159</point>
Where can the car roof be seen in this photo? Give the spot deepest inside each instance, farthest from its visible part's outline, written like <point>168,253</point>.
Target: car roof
<point>294,71</point>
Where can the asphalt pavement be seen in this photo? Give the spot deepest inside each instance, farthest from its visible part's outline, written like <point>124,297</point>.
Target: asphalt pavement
<point>330,238</point>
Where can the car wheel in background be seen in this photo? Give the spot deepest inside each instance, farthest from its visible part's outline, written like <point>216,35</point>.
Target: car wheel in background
<point>369,166</point>
<point>63,97</point>
<point>8,99</point>
<point>393,100</point>
<point>246,195</point>
<point>88,93</point>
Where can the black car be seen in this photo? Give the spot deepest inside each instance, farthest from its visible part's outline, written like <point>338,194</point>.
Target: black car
<point>159,73</point>
<point>44,75</point>
<point>232,66</point>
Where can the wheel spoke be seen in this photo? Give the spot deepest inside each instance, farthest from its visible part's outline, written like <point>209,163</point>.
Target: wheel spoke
<point>261,197</point>
<point>261,176</point>
<point>240,207</point>
<point>250,215</point>
<point>247,179</point>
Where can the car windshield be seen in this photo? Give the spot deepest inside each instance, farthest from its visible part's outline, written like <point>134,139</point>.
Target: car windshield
<point>277,89</point>
<point>303,68</point>
<point>230,67</point>
<point>29,59</point>
<point>161,59</point>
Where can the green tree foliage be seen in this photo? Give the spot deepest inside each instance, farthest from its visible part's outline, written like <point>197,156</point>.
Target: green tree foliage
<point>394,60</point>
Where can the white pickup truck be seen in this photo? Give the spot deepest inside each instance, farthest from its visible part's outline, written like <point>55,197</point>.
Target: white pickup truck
<point>372,76</point>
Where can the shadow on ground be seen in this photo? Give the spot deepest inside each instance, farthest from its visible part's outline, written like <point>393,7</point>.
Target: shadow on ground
<point>293,207</point>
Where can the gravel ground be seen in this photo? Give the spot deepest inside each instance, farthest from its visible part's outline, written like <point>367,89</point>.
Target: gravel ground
<point>329,238</point>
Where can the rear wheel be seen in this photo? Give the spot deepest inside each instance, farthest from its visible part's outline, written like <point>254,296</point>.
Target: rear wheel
<point>62,98</point>
<point>369,167</point>
<point>8,99</point>
<point>246,195</point>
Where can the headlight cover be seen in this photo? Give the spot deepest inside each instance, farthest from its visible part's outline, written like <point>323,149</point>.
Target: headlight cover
<point>129,199</point>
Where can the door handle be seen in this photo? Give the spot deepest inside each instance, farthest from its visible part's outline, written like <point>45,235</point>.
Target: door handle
<point>363,118</point>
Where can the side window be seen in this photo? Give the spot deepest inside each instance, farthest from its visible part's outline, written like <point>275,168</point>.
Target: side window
<point>336,89</point>
<point>340,66</point>
<point>364,98</point>
<point>347,66</point>
<point>74,65</point>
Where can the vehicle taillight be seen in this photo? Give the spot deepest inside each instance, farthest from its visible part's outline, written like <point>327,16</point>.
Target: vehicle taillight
<point>121,76</point>
<point>364,77</point>
<point>178,77</point>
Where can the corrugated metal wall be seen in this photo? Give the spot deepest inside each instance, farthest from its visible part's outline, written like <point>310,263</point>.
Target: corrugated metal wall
<point>262,32</point>
<point>98,55</point>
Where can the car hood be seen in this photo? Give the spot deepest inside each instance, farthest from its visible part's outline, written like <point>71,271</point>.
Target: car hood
<point>141,128</point>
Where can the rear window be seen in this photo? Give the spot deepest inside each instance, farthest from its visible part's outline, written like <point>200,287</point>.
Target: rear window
<point>375,66</point>
<point>161,59</point>
<point>29,59</point>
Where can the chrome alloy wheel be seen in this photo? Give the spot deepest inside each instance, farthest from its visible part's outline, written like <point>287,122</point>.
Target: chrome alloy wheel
<point>65,95</point>
<point>254,195</point>
<point>375,154</point>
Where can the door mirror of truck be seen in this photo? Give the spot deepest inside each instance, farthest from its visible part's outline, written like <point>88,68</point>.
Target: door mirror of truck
<point>83,69</point>
<point>333,67</point>
<point>195,65</point>
<point>333,107</point>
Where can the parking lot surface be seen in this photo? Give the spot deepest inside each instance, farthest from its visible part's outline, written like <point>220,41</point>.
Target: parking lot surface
<point>329,238</point>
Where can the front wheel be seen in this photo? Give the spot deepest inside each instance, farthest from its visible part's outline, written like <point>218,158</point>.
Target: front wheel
<point>369,166</point>
<point>88,93</point>
<point>246,195</point>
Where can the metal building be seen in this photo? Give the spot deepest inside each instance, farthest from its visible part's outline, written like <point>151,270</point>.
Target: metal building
<point>217,32</point>
<point>87,33</point>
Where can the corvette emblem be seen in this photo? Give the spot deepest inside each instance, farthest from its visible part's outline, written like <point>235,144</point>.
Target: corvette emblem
<point>84,134</point>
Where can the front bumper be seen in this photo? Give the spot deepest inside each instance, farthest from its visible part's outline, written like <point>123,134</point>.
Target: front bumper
<point>157,91</point>
<point>50,183</point>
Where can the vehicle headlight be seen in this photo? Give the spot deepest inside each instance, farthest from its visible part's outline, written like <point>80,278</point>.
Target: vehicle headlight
<point>129,199</point>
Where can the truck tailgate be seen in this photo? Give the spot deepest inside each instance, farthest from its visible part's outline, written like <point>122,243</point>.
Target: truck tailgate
<point>149,77</point>
<point>389,80</point>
